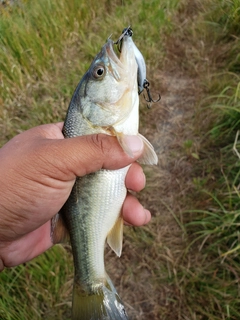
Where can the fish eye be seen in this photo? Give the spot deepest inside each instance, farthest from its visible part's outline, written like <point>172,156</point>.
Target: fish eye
<point>99,72</point>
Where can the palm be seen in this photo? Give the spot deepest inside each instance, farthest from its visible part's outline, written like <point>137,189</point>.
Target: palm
<point>42,168</point>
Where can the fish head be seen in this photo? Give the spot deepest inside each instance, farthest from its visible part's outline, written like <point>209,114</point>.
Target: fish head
<point>109,91</point>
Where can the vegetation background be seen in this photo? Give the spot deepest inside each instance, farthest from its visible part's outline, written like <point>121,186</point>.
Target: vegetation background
<point>185,264</point>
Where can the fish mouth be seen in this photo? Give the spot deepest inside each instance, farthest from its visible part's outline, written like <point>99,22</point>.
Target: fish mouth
<point>124,65</point>
<point>111,52</point>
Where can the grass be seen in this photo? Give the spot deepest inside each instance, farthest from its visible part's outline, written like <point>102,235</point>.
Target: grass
<point>214,226</point>
<point>30,291</point>
<point>185,264</point>
<point>42,41</point>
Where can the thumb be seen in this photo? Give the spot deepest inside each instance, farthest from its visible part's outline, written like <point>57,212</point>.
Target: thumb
<point>82,155</point>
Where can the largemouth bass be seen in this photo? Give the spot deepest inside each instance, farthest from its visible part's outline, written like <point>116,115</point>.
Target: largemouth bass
<point>105,101</point>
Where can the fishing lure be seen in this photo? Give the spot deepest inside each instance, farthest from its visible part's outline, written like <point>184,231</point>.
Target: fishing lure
<point>143,83</point>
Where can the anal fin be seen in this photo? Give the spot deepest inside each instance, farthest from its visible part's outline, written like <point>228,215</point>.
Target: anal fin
<point>115,237</point>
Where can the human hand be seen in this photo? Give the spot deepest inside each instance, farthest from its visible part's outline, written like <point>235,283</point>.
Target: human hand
<point>37,171</point>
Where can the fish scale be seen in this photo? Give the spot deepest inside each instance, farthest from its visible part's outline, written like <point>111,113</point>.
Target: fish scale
<point>97,192</point>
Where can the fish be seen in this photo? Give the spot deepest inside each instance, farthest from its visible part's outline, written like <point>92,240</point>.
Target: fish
<point>105,101</point>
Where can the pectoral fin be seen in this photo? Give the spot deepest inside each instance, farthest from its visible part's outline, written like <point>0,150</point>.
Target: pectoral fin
<point>149,156</point>
<point>59,232</point>
<point>115,237</point>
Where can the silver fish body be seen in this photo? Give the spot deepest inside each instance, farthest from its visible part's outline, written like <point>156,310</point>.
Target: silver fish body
<point>94,196</point>
<point>105,101</point>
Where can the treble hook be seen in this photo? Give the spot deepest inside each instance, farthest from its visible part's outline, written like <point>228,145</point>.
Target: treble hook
<point>126,31</point>
<point>146,85</point>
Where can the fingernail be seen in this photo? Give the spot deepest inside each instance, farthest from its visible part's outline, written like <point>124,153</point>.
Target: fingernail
<point>147,216</point>
<point>134,143</point>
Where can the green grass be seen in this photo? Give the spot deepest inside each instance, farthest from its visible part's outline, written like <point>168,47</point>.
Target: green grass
<point>214,226</point>
<point>39,289</point>
<point>46,46</point>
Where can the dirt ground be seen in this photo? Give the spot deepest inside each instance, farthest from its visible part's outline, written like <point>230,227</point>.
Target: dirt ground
<point>142,274</point>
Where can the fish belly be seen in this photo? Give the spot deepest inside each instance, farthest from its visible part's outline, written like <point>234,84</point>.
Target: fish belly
<point>90,213</point>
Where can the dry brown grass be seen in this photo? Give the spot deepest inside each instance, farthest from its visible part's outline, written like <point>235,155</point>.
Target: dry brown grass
<point>158,256</point>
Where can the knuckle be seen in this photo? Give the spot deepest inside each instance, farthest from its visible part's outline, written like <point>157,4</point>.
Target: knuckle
<point>102,142</point>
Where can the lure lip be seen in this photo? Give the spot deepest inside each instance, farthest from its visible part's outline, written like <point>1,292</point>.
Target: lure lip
<point>143,83</point>
<point>126,32</point>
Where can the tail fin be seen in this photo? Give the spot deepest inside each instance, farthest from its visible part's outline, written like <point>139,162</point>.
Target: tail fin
<point>105,304</point>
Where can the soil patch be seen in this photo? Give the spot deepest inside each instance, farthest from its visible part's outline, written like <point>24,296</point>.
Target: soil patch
<point>152,255</point>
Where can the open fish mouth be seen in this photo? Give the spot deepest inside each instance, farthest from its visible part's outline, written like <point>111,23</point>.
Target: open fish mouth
<point>122,65</point>
<point>110,52</point>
